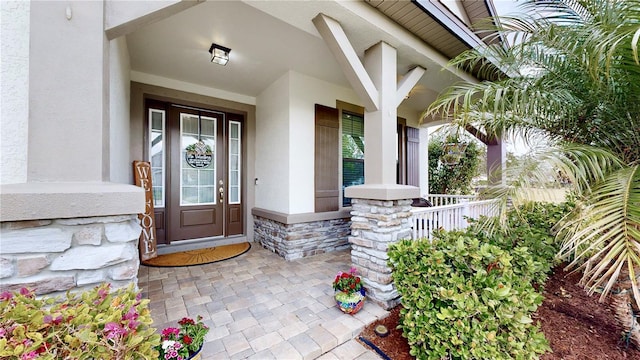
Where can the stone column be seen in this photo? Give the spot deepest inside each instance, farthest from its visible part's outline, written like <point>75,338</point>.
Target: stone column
<point>375,224</point>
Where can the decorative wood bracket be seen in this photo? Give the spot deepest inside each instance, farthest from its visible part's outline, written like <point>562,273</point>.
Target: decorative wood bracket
<point>343,51</point>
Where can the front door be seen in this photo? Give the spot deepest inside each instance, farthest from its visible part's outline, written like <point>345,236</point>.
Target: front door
<point>198,175</point>
<point>198,186</point>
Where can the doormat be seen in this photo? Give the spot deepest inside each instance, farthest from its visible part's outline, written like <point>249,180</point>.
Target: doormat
<point>199,256</point>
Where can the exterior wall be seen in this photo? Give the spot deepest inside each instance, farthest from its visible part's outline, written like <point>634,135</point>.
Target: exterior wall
<point>272,147</point>
<point>68,92</point>
<point>119,69</point>
<point>14,72</point>
<point>294,241</point>
<point>62,226</point>
<point>307,91</point>
<point>57,255</point>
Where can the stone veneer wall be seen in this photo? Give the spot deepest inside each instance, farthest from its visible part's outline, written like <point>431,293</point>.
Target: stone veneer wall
<point>375,224</point>
<point>294,241</point>
<point>52,256</point>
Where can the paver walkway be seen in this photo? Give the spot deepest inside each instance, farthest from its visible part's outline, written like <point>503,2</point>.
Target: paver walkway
<point>259,306</point>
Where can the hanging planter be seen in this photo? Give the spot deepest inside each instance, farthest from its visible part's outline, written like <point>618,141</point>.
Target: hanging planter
<point>452,153</point>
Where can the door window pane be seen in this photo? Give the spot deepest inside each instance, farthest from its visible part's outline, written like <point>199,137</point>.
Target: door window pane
<point>198,143</point>
<point>207,194</point>
<point>189,195</point>
<point>156,155</point>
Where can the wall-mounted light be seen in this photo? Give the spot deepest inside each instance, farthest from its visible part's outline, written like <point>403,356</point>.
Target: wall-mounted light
<point>219,54</point>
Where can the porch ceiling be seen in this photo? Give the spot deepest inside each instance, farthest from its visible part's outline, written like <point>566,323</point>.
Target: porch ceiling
<point>268,38</point>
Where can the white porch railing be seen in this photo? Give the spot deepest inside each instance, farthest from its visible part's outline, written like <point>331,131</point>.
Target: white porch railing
<point>449,217</point>
<point>443,199</point>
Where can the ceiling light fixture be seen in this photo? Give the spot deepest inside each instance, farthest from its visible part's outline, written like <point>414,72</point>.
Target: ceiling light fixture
<point>219,54</point>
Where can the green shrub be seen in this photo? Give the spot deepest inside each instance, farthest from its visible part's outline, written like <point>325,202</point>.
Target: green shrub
<point>529,229</point>
<point>470,295</point>
<point>463,300</point>
<point>96,324</point>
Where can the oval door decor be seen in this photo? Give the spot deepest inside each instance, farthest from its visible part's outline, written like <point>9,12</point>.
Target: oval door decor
<point>198,155</point>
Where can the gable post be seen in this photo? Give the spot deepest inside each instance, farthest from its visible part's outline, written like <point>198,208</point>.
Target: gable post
<point>380,208</point>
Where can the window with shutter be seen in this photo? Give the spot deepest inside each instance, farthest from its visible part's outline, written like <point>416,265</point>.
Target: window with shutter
<point>327,136</point>
<point>340,143</point>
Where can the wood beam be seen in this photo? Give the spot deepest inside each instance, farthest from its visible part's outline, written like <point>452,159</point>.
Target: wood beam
<point>337,41</point>
<point>487,140</point>
<point>408,81</point>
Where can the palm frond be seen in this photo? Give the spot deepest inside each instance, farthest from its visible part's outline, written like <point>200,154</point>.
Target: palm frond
<point>609,237</point>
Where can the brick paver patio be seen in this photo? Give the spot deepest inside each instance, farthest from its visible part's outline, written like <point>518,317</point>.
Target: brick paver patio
<point>259,306</point>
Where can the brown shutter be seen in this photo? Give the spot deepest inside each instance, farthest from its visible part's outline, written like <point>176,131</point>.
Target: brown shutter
<point>413,156</point>
<point>327,157</point>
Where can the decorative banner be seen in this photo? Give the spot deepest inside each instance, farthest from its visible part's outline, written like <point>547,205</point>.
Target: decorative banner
<point>199,155</point>
<point>147,243</point>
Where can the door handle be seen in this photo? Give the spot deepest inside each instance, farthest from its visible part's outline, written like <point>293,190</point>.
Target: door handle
<point>221,192</point>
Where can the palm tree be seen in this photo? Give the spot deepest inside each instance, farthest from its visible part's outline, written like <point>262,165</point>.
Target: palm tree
<point>573,76</point>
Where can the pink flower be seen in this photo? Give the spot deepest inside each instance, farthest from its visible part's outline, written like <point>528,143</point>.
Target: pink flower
<point>29,356</point>
<point>132,314</point>
<point>133,324</point>
<point>25,292</point>
<point>102,294</point>
<point>166,333</point>
<point>5,296</point>
<point>114,330</point>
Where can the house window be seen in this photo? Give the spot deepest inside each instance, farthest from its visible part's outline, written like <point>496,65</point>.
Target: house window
<point>339,154</point>
<point>352,152</point>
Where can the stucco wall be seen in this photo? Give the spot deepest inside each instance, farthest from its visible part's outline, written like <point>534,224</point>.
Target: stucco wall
<point>287,110</point>
<point>272,155</point>
<point>119,90</point>
<point>14,80</point>
<point>68,95</point>
<point>305,93</point>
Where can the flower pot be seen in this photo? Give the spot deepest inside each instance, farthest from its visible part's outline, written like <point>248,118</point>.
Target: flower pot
<point>196,355</point>
<point>350,303</point>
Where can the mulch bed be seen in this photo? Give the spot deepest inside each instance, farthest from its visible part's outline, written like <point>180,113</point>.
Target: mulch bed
<point>576,325</point>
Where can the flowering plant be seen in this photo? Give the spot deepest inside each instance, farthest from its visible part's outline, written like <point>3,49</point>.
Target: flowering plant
<point>180,343</point>
<point>348,283</point>
<point>95,324</point>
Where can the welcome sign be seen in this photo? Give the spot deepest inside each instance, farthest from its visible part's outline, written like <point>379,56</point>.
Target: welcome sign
<point>148,240</point>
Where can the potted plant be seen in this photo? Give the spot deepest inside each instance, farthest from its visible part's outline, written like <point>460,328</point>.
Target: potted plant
<point>183,342</point>
<point>453,152</point>
<point>95,324</point>
<point>349,291</point>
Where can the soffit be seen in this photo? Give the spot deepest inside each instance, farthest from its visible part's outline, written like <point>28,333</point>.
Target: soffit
<point>416,20</point>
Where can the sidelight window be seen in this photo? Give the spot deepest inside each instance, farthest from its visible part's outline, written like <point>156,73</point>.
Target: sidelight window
<point>157,155</point>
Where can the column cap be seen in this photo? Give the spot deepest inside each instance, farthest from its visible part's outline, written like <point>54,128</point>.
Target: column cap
<point>382,192</point>
<point>31,201</point>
